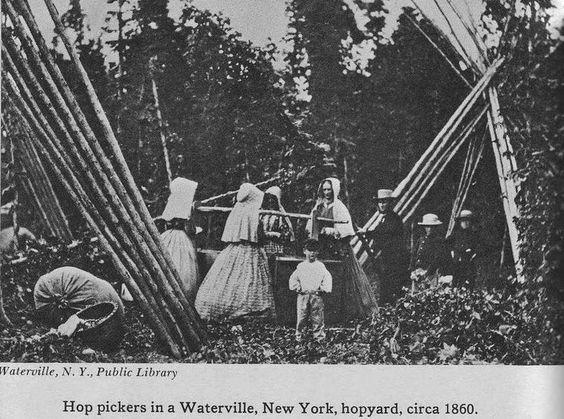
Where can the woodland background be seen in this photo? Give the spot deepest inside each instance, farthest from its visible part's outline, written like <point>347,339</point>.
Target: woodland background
<point>234,112</point>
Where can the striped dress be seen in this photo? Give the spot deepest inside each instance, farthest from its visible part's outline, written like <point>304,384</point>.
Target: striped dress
<point>237,284</point>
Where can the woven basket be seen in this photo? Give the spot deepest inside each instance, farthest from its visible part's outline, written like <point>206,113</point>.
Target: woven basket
<point>106,330</point>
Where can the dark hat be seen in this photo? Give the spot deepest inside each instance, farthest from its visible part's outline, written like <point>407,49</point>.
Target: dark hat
<point>312,245</point>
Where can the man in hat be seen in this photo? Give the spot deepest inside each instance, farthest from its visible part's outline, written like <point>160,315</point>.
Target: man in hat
<point>463,244</point>
<point>431,258</point>
<point>386,238</point>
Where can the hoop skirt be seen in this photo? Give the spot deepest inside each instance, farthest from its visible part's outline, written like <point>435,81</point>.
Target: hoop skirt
<point>183,253</point>
<point>237,284</point>
<point>360,298</point>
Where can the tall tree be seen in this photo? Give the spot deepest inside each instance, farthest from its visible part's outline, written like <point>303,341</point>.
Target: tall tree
<point>381,115</point>
<point>319,31</point>
<point>219,97</point>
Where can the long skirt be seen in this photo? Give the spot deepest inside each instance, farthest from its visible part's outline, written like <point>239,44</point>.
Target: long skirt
<point>237,284</point>
<point>183,253</point>
<point>359,297</point>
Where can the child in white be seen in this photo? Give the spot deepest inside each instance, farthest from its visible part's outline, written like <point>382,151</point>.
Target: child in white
<point>310,280</point>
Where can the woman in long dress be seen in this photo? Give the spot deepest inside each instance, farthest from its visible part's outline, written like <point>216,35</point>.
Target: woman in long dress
<point>278,230</point>
<point>335,242</point>
<point>178,238</point>
<point>238,283</point>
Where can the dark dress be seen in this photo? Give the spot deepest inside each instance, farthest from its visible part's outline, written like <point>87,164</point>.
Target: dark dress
<point>359,297</point>
<point>386,241</point>
<point>330,247</point>
<point>464,245</point>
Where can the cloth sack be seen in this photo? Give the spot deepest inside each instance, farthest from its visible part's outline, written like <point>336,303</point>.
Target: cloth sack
<point>64,291</point>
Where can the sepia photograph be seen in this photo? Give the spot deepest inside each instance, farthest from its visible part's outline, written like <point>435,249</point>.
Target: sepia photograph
<point>368,182</point>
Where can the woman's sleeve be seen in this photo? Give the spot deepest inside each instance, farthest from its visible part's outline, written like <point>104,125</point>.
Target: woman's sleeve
<point>309,223</point>
<point>341,213</point>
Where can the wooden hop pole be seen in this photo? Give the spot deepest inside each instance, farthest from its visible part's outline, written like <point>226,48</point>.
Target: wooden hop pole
<point>416,173</point>
<point>4,319</point>
<point>410,208</point>
<point>93,187</point>
<point>434,166</point>
<point>71,184</point>
<point>62,166</point>
<point>45,124</point>
<point>470,166</point>
<point>60,217</point>
<point>172,291</point>
<point>234,193</point>
<point>32,190</point>
<point>150,232</point>
<point>116,216</point>
<point>160,119</point>
<point>46,201</point>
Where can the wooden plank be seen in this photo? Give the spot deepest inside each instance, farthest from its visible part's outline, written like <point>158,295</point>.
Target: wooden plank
<point>505,164</point>
<point>207,209</point>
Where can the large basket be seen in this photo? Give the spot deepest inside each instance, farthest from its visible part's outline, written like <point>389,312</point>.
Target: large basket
<point>105,330</point>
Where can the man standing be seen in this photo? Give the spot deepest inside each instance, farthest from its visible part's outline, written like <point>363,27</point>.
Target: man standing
<point>463,244</point>
<point>386,242</point>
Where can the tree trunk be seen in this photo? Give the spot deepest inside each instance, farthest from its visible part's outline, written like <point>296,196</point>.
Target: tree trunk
<point>161,129</point>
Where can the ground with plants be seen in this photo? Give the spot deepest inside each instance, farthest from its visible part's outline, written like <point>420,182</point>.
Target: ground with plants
<point>521,324</point>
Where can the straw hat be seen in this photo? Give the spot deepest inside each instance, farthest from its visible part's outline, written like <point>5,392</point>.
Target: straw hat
<point>430,220</point>
<point>465,215</point>
<point>384,194</point>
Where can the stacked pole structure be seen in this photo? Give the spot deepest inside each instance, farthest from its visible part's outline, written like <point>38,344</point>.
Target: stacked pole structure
<point>100,184</point>
<point>38,188</point>
<point>459,28</point>
<point>473,155</point>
